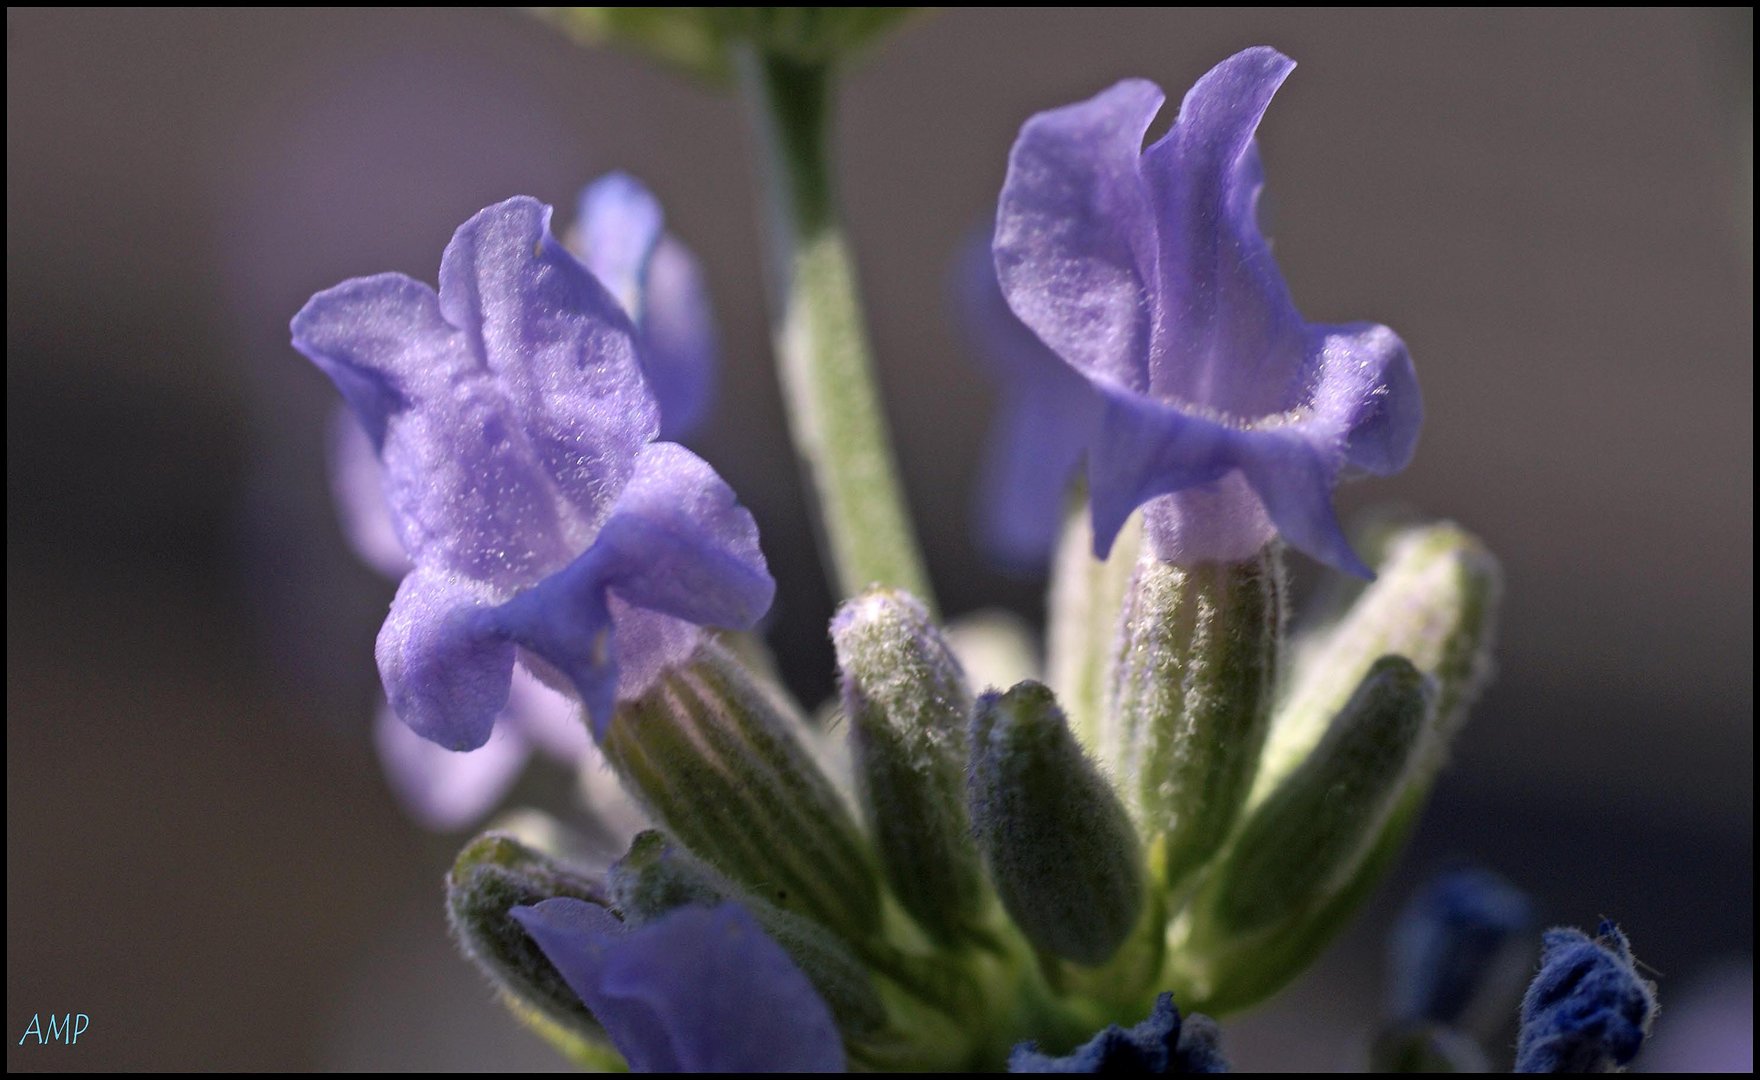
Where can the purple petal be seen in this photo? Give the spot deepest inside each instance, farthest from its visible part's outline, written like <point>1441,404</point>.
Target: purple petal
<point>1043,423</point>
<point>357,482</point>
<point>443,789</point>
<point>1075,233</point>
<point>699,990</point>
<point>461,481</point>
<point>679,349</point>
<point>677,553</point>
<point>561,352</point>
<point>1366,395</point>
<point>382,341</point>
<point>619,226</point>
<point>1227,338</point>
<point>446,672</point>
<point>660,285</point>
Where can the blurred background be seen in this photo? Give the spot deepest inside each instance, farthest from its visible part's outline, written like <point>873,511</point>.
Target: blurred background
<point>1553,208</point>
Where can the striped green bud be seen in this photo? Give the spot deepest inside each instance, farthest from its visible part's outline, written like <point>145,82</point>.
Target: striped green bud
<point>1191,700</point>
<point>1296,846</point>
<point>492,875</point>
<point>1433,602</point>
<point>657,876</point>
<point>1062,852</point>
<point>716,758</point>
<point>1081,618</point>
<point>908,706</point>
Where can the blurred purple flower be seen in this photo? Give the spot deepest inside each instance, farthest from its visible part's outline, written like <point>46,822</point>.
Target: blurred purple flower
<point>515,428</point>
<point>619,234</point>
<point>1043,422</point>
<point>1145,271</point>
<point>701,989</point>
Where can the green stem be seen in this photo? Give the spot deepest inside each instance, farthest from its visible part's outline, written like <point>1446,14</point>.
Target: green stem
<point>821,342</point>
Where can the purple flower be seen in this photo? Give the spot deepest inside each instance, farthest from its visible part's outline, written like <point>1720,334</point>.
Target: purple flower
<point>619,235</point>
<point>1145,270</point>
<point>701,989</point>
<point>544,524</point>
<point>1043,422</point>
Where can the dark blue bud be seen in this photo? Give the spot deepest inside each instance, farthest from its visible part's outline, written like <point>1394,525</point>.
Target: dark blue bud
<point>1448,943</point>
<point>1588,1010</point>
<point>1160,1046</point>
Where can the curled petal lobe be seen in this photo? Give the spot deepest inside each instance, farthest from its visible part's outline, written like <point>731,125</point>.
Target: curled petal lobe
<point>559,348</point>
<point>1366,392</point>
<point>1227,336</point>
<point>1075,232</point>
<point>701,989</point>
<point>383,342</point>
<point>446,672</point>
<point>677,553</point>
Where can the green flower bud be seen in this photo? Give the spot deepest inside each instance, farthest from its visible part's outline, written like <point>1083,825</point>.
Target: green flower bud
<point>1191,700</point>
<point>1294,847</point>
<point>716,758</point>
<point>657,876</point>
<point>908,706</point>
<point>1082,612</point>
<point>1061,850</point>
<point>1434,602</point>
<point>493,874</point>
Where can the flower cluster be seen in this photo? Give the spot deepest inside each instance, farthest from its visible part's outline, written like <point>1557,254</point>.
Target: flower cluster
<point>1184,806</point>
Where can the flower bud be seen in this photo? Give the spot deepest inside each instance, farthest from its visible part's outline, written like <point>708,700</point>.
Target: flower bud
<point>1588,1010</point>
<point>657,877</point>
<point>1434,603</point>
<point>714,758</point>
<point>1309,832</point>
<point>1081,618</point>
<point>492,875</point>
<point>1061,850</point>
<point>907,704</point>
<point>1191,699</point>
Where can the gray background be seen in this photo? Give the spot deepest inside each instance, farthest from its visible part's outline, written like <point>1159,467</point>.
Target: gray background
<point>1553,208</point>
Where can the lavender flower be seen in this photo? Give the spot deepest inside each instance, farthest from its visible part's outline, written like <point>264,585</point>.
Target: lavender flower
<point>1145,270</point>
<point>620,235</point>
<point>1043,422</point>
<point>701,989</point>
<point>515,426</point>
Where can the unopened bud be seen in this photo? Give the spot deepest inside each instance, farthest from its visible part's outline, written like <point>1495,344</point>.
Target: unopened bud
<point>1297,846</point>
<point>908,706</point>
<point>1191,699</point>
<point>492,875</point>
<point>1433,602</point>
<point>1061,849</point>
<point>711,755</point>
